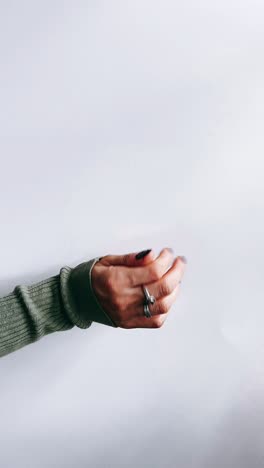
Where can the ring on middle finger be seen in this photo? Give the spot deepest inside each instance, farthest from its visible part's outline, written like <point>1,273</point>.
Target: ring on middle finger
<point>149,299</point>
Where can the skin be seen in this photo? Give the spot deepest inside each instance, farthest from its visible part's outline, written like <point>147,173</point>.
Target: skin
<point>117,282</point>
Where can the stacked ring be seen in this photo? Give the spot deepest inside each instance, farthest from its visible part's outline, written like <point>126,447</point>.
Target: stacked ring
<point>148,300</point>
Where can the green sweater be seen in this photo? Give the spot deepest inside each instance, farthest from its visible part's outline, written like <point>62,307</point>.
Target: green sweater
<point>54,304</point>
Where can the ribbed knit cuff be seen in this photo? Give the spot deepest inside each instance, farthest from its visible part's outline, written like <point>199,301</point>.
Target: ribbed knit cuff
<point>53,304</point>
<point>79,297</point>
<point>31,312</point>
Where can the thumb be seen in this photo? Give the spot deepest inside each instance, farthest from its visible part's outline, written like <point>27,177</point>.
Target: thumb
<point>131,259</point>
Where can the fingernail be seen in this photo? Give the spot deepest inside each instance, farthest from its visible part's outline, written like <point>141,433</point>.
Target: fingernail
<point>170,249</point>
<point>183,258</point>
<point>142,254</point>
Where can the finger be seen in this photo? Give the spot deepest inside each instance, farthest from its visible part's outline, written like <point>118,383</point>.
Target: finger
<point>161,306</point>
<point>165,285</point>
<point>131,259</point>
<point>153,271</point>
<point>144,322</point>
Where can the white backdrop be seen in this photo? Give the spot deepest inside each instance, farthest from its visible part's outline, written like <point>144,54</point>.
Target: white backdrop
<point>126,126</point>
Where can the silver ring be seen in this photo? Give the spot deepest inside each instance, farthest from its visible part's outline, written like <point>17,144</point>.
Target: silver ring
<point>149,299</point>
<point>147,312</point>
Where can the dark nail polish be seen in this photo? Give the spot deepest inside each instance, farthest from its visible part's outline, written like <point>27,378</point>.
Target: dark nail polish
<point>142,254</point>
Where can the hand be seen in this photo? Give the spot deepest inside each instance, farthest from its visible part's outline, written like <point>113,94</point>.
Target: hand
<point>117,283</point>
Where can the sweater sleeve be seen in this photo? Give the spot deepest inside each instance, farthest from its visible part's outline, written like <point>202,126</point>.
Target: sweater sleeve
<point>54,304</point>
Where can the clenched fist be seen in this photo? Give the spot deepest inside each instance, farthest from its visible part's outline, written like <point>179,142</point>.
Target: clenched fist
<point>117,283</point>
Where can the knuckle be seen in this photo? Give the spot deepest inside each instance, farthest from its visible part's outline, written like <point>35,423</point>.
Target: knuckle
<point>158,322</point>
<point>155,272</point>
<point>165,289</point>
<point>162,307</point>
